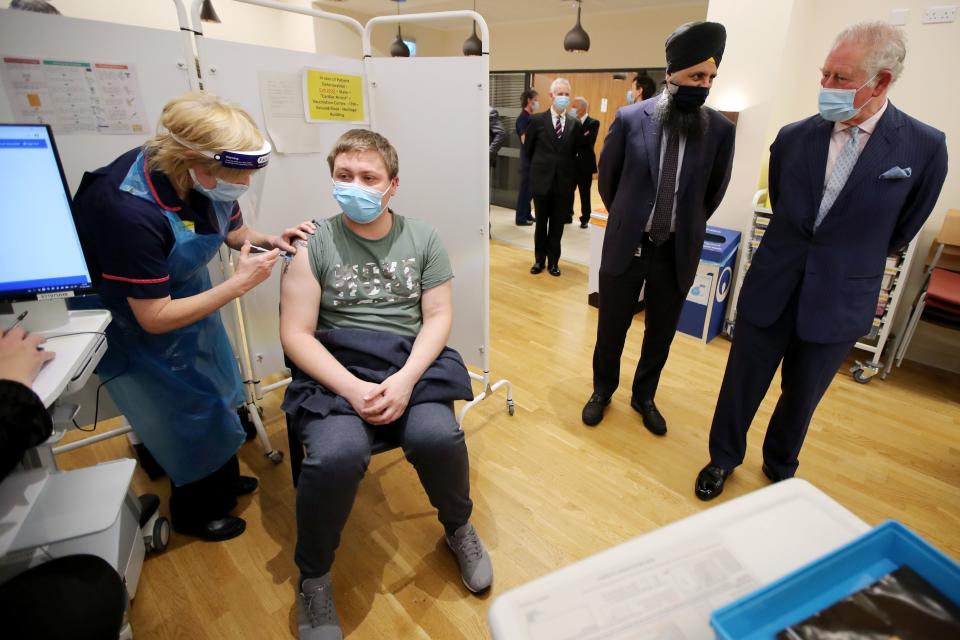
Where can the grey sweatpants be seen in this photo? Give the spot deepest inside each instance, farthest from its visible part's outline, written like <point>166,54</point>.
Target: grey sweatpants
<point>338,453</point>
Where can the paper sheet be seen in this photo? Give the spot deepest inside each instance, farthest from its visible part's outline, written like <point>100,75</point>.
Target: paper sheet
<point>281,96</point>
<point>75,96</point>
<point>659,597</point>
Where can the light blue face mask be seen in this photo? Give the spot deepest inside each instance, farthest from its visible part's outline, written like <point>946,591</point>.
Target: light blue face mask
<point>836,105</point>
<point>223,192</point>
<point>561,102</point>
<point>631,97</point>
<point>574,112</point>
<point>536,105</point>
<point>360,204</point>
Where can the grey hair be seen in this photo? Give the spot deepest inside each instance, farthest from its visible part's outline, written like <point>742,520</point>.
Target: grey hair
<point>885,44</point>
<point>585,102</point>
<point>34,5</point>
<point>553,85</point>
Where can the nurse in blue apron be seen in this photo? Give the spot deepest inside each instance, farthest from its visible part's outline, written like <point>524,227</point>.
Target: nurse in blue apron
<point>149,223</point>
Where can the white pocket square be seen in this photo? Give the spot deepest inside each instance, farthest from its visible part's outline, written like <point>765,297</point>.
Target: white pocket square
<point>896,173</point>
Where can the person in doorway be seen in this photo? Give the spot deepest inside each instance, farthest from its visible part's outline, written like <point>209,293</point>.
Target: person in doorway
<point>587,157</point>
<point>149,222</point>
<point>643,88</point>
<point>848,187</point>
<point>552,142</point>
<point>529,103</point>
<point>366,311</point>
<point>664,169</point>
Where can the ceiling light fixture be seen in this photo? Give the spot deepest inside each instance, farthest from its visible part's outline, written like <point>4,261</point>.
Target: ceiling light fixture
<point>208,13</point>
<point>577,39</point>
<point>472,46</point>
<point>399,48</point>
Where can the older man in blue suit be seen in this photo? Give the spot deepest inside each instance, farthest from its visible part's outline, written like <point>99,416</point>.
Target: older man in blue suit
<point>664,169</point>
<point>848,187</point>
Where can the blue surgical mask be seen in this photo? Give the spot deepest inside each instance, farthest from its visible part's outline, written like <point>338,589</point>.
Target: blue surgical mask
<point>360,204</point>
<point>631,97</point>
<point>836,105</point>
<point>561,102</point>
<point>536,105</point>
<point>223,192</point>
<point>574,112</point>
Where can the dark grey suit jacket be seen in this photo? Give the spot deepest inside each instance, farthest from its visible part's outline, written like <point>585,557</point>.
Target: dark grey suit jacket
<point>553,163</point>
<point>839,268</point>
<point>630,172</point>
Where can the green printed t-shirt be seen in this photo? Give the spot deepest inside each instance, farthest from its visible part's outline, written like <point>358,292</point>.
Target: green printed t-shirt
<point>376,284</point>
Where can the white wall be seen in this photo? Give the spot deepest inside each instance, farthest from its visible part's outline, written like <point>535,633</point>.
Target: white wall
<point>786,90</point>
<point>240,22</point>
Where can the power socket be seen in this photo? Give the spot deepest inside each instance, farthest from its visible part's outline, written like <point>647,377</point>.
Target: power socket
<point>938,15</point>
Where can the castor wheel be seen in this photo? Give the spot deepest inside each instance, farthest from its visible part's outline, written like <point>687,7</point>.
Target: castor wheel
<point>159,538</point>
<point>275,456</point>
<point>510,408</point>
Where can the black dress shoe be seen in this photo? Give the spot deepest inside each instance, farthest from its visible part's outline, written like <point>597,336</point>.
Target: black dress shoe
<point>214,530</point>
<point>246,485</point>
<point>771,476</point>
<point>710,481</point>
<point>583,225</point>
<point>536,268</point>
<point>653,420</point>
<point>525,223</point>
<point>593,410</point>
<point>554,270</point>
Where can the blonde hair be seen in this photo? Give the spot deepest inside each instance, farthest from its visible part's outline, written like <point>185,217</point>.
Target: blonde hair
<point>357,140</point>
<point>203,121</point>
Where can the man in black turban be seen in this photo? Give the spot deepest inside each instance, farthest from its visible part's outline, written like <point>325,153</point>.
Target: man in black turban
<point>664,169</point>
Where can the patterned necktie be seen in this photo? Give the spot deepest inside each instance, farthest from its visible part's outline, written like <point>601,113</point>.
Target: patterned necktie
<point>663,209</point>
<point>841,171</point>
<point>558,129</point>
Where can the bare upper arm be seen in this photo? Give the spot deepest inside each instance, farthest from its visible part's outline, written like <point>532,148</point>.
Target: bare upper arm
<point>147,312</point>
<point>437,300</point>
<point>299,298</point>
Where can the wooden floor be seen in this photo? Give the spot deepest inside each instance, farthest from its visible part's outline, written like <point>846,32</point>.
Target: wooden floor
<point>548,491</point>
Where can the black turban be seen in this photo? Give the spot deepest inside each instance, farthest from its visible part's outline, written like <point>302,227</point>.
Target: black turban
<point>693,43</point>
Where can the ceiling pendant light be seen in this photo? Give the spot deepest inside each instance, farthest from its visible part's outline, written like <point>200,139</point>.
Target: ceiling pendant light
<point>472,46</point>
<point>208,13</point>
<point>399,48</point>
<point>577,39</point>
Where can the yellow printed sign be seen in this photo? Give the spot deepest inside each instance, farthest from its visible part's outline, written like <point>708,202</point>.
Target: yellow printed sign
<point>333,96</point>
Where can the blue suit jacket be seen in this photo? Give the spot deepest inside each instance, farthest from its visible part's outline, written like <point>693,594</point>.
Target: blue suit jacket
<point>630,172</point>
<point>839,269</point>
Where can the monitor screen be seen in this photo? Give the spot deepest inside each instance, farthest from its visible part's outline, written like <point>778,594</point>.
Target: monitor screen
<point>42,258</point>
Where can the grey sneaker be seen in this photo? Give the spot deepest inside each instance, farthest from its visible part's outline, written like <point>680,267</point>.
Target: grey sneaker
<point>315,611</point>
<point>476,571</point>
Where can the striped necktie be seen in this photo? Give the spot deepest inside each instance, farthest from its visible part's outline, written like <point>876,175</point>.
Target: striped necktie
<point>558,129</point>
<point>841,171</point>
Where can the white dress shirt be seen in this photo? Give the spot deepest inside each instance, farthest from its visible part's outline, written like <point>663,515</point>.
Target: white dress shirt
<point>839,138</point>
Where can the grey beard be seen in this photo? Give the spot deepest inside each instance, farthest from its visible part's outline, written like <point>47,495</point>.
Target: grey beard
<point>691,124</point>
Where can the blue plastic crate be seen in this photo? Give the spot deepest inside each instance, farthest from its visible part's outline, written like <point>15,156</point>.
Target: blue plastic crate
<point>814,587</point>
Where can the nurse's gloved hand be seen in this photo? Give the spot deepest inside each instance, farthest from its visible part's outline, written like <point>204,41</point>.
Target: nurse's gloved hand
<point>254,268</point>
<point>288,239</point>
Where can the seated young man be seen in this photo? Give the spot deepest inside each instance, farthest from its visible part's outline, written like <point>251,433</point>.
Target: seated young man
<point>365,316</point>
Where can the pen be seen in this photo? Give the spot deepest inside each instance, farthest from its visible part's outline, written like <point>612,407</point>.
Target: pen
<point>16,322</point>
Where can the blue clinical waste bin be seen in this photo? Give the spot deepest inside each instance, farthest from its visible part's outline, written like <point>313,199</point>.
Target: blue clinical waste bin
<point>706,304</point>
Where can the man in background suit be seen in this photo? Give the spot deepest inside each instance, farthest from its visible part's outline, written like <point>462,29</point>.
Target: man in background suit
<point>643,88</point>
<point>664,169</point>
<point>587,157</point>
<point>498,136</point>
<point>551,145</point>
<point>528,104</point>
<point>848,187</point>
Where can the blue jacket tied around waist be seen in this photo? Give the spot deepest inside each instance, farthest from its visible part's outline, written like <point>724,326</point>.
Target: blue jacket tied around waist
<point>374,356</point>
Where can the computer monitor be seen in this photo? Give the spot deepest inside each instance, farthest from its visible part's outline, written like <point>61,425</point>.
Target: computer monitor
<point>41,254</point>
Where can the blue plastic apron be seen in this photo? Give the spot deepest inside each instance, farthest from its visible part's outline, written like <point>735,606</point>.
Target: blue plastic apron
<point>180,390</point>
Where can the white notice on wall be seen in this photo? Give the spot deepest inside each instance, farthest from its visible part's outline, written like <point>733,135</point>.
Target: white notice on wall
<point>281,96</point>
<point>75,96</point>
<point>603,105</point>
